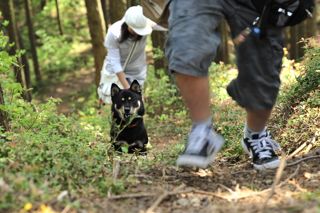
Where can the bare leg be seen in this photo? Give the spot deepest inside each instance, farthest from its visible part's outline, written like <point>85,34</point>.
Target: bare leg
<point>257,141</point>
<point>257,119</point>
<point>195,92</point>
<point>203,142</point>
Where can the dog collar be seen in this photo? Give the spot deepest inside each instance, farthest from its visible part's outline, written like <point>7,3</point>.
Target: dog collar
<point>132,125</point>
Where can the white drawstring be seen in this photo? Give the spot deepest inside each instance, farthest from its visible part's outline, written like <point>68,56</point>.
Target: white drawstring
<point>263,146</point>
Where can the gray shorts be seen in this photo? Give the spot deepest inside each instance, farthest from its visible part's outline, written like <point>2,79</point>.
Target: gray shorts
<point>193,40</point>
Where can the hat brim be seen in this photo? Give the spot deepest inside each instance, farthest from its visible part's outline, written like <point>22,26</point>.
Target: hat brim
<point>143,31</point>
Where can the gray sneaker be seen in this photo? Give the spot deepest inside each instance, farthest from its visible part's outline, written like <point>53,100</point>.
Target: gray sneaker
<point>202,147</point>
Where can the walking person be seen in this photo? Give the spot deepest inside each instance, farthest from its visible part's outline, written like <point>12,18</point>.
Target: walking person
<point>191,47</point>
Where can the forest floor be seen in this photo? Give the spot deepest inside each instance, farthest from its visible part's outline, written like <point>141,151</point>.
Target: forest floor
<point>228,185</point>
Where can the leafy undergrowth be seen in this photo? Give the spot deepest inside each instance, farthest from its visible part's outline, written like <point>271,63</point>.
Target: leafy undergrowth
<point>296,120</point>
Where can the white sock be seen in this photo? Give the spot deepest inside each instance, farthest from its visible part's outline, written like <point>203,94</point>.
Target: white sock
<point>204,123</point>
<point>248,132</point>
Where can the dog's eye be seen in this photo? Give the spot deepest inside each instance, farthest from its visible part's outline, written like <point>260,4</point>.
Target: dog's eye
<point>122,99</point>
<point>129,98</point>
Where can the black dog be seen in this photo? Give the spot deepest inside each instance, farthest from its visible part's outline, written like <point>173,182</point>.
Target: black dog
<point>127,128</point>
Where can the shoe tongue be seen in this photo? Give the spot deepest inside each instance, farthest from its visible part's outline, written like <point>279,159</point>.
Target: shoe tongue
<point>255,136</point>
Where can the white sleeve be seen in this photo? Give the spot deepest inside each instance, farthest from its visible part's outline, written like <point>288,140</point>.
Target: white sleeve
<point>113,58</point>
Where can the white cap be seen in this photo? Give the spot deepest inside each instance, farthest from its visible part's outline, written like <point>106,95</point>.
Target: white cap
<point>137,21</point>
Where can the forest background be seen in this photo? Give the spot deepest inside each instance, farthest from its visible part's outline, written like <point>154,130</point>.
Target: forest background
<point>55,153</point>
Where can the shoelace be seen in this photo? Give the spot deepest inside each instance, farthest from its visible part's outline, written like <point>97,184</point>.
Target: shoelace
<point>264,146</point>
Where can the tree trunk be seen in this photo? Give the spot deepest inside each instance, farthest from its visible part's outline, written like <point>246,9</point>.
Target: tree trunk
<point>8,14</point>
<point>301,34</point>
<point>26,69</point>
<point>223,50</point>
<point>104,5</point>
<point>287,45</point>
<point>32,41</point>
<point>117,9</point>
<point>43,3</point>
<point>97,33</point>
<point>158,41</point>
<point>58,17</point>
<point>132,3</point>
<point>4,120</point>
<point>7,9</point>
<point>311,26</point>
<point>293,42</point>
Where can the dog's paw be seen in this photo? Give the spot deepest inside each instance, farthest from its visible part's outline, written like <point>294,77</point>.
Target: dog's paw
<point>138,147</point>
<point>121,146</point>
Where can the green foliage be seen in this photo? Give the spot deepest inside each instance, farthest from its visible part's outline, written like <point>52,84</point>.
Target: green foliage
<point>307,81</point>
<point>161,96</point>
<point>72,15</point>
<point>220,75</point>
<point>158,54</point>
<point>6,61</point>
<point>298,108</point>
<point>47,152</point>
<point>228,117</point>
<point>53,52</point>
<point>11,89</point>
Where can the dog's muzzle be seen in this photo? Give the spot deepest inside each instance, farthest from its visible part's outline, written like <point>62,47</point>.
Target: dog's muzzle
<point>127,112</point>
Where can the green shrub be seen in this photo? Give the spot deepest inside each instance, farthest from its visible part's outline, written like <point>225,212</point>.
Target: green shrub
<point>45,153</point>
<point>161,96</point>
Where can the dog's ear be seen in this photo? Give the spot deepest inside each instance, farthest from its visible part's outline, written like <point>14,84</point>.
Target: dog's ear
<point>115,89</point>
<point>135,86</point>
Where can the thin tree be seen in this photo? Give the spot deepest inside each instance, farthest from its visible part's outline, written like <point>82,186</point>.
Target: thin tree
<point>4,120</point>
<point>8,14</point>
<point>58,18</point>
<point>117,9</point>
<point>306,29</point>
<point>159,62</point>
<point>132,3</point>
<point>32,40</point>
<point>43,3</point>
<point>7,9</point>
<point>293,51</point>
<point>97,33</point>
<point>105,6</point>
<point>26,68</point>
<point>223,51</point>
<point>301,33</point>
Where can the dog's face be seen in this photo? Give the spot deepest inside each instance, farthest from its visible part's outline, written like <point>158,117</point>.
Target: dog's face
<point>127,103</point>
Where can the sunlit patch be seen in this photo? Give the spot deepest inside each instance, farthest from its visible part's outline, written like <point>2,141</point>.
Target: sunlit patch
<point>204,173</point>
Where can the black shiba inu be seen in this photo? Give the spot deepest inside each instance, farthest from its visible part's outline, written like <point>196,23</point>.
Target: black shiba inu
<point>127,128</point>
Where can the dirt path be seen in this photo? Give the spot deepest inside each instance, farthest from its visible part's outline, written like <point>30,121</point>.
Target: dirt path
<point>72,91</point>
<point>224,187</point>
<point>229,185</point>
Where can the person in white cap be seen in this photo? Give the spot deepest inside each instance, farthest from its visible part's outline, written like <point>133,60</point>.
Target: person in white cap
<point>131,30</point>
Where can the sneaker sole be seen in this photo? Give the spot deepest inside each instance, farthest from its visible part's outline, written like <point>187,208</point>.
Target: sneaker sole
<point>198,161</point>
<point>271,165</point>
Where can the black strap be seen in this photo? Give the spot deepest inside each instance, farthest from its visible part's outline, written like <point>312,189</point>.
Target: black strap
<point>263,21</point>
